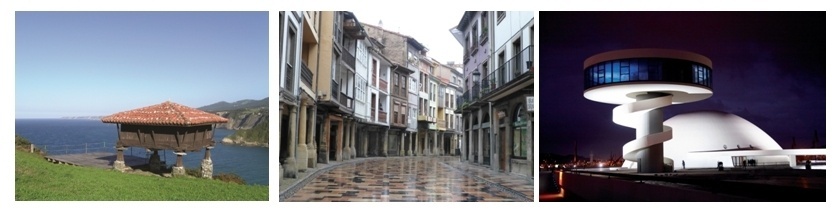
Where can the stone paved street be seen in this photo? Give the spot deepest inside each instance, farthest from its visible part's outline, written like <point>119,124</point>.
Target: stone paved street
<point>413,179</point>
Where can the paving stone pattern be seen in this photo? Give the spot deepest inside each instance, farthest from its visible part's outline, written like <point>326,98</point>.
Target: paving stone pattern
<point>413,179</point>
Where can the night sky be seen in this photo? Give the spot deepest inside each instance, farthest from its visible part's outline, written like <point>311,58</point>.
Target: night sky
<point>768,68</point>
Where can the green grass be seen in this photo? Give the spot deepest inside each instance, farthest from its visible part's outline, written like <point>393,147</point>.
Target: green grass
<point>37,179</point>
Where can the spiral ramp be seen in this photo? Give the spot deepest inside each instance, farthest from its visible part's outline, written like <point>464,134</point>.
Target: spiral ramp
<point>631,115</point>
<point>642,82</point>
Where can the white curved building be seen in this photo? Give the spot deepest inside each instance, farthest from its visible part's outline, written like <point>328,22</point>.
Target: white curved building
<point>701,139</point>
<point>642,82</point>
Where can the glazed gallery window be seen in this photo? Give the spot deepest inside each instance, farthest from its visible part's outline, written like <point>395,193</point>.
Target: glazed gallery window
<point>520,134</point>
<point>647,69</point>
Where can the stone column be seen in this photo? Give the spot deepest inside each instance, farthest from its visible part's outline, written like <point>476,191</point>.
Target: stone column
<point>353,139</point>
<point>365,136</point>
<point>416,144</point>
<point>339,140</point>
<point>302,154</point>
<point>312,159</point>
<point>385,139</point>
<point>347,138</point>
<point>154,161</point>
<point>290,170</point>
<point>410,144</point>
<point>480,151</point>
<point>119,164</point>
<point>401,143</point>
<point>466,144</point>
<point>280,126</point>
<point>323,145</point>
<point>436,145</point>
<point>178,169</point>
<point>425,143</point>
<point>207,164</point>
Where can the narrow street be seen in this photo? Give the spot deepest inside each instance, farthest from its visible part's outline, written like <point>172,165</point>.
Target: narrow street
<point>412,179</point>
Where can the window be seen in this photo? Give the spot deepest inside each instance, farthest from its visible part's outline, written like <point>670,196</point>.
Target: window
<point>503,68</point>
<point>291,54</point>
<point>395,89</point>
<point>484,24</point>
<point>375,69</point>
<point>404,90</point>
<point>520,133</point>
<point>395,113</point>
<point>500,15</point>
<point>474,35</point>
<point>422,80</point>
<point>517,49</point>
<point>403,113</point>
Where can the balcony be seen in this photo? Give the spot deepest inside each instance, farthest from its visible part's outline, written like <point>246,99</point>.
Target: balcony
<point>306,75</point>
<point>352,27</point>
<point>335,90</point>
<point>382,117</point>
<point>348,58</point>
<point>520,64</point>
<point>372,111</point>
<point>346,100</point>
<point>382,85</point>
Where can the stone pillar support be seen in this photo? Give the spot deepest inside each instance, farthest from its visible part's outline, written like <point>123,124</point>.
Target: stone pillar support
<point>119,164</point>
<point>290,165</point>
<point>154,162</point>
<point>347,138</point>
<point>207,164</point>
<point>384,143</point>
<point>178,169</point>
<point>312,159</point>
<point>302,154</point>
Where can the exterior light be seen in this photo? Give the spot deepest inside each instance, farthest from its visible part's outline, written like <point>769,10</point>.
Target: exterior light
<point>476,76</point>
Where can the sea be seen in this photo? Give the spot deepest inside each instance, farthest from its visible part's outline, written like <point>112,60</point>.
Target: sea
<point>73,136</point>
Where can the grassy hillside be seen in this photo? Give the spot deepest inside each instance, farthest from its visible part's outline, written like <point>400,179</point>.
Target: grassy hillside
<point>37,179</point>
<point>258,133</point>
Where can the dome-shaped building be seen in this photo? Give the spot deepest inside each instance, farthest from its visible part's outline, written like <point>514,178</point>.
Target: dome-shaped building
<point>701,139</point>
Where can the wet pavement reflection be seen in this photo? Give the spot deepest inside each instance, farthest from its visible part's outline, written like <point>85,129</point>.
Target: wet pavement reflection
<point>414,179</point>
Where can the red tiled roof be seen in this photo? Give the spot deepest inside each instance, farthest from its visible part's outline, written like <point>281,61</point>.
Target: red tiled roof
<point>166,113</point>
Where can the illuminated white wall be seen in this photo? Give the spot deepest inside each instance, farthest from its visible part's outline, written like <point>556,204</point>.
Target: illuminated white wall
<point>697,133</point>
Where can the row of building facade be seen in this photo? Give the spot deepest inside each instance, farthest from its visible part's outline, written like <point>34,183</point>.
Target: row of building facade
<point>350,89</point>
<point>498,102</point>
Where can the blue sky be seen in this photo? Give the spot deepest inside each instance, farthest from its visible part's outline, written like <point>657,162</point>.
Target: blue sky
<point>100,63</point>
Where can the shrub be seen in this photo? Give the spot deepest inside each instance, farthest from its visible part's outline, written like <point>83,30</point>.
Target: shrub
<point>21,143</point>
<point>193,172</point>
<point>229,178</point>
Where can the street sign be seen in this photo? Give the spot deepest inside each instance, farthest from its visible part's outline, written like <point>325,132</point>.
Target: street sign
<point>530,104</point>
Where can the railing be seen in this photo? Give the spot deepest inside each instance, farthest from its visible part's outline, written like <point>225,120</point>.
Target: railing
<point>306,74</point>
<point>520,64</point>
<point>335,90</point>
<point>348,58</point>
<point>106,147</point>
<point>372,111</point>
<point>382,85</point>
<point>346,100</point>
<point>383,117</point>
<point>475,93</point>
<point>289,78</point>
